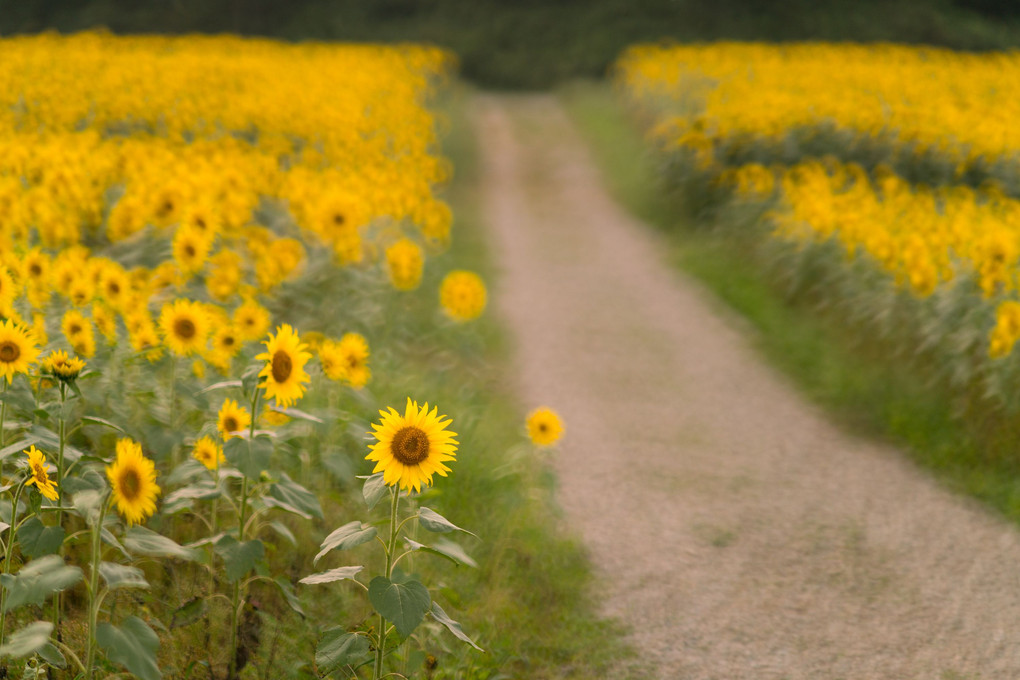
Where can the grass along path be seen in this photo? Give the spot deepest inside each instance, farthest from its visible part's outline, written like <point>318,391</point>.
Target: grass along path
<point>738,532</point>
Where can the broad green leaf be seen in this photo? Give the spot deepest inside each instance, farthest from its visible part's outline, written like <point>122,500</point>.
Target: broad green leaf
<point>51,655</point>
<point>36,539</point>
<point>250,377</point>
<point>293,495</point>
<point>295,413</point>
<point>28,640</point>
<point>444,548</point>
<point>87,504</point>
<point>141,541</point>
<point>190,612</point>
<point>37,580</point>
<point>287,588</point>
<point>122,576</point>
<point>282,530</point>
<point>338,649</point>
<point>338,574</point>
<point>403,604</point>
<point>19,397</point>
<point>439,615</point>
<point>374,489</point>
<point>102,421</point>
<point>132,644</point>
<point>346,537</point>
<point>47,439</point>
<point>18,446</point>
<point>239,558</point>
<point>222,386</point>
<point>430,520</point>
<point>183,498</point>
<point>250,456</point>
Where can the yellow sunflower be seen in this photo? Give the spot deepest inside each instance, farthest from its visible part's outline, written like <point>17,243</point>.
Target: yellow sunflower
<point>208,452</point>
<point>17,350</point>
<point>133,481</point>
<point>412,447</point>
<point>251,320</point>
<point>330,359</point>
<point>354,355</point>
<point>404,263</point>
<point>9,290</point>
<point>232,418</point>
<point>544,426</point>
<point>284,372</point>
<point>462,295</point>
<point>40,476</point>
<point>185,326</point>
<point>62,366</point>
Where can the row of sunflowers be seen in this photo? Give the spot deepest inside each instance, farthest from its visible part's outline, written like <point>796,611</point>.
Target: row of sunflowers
<point>883,177</point>
<point>205,244</point>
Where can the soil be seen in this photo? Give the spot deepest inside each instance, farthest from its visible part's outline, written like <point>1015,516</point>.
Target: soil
<point>735,530</point>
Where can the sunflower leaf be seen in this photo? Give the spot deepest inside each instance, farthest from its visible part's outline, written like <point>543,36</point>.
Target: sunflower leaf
<point>190,612</point>
<point>402,603</point>
<point>444,548</point>
<point>122,576</point>
<point>287,589</point>
<point>338,649</point>
<point>293,495</point>
<point>37,539</point>
<point>430,520</point>
<point>18,446</point>
<point>439,615</point>
<point>142,541</point>
<point>338,574</point>
<point>101,421</point>
<point>374,489</point>
<point>28,640</point>
<point>51,655</point>
<point>132,644</point>
<point>37,580</point>
<point>239,558</point>
<point>346,537</point>
<point>222,386</point>
<point>250,456</point>
<point>295,413</point>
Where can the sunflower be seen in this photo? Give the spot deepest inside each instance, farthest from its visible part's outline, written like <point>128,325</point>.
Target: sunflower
<point>191,249</point>
<point>284,370</point>
<point>60,365</point>
<point>105,320</point>
<point>404,263</point>
<point>462,295</point>
<point>17,351</point>
<point>544,426</point>
<point>354,356</point>
<point>185,326</point>
<point>231,419</point>
<point>8,289</point>
<point>40,476</point>
<point>78,331</point>
<point>208,452</point>
<point>133,480</point>
<point>412,447</point>
<point>251,320</point>
<point>331,361</point>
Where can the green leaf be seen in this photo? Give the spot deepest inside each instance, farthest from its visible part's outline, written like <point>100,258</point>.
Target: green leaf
<point>87,503</point>
<point>36,539</point>
<point>295,413</point>
<point>295,498</point>
<point>338,574</point>
<point>374,489</point>
<point>282,530</point>
<point>338,649</point>
<point>28,640</point>
<point>287,588</point>
<point>51,655</point>
<point>439,615</point>
<point>250,456</point>
<point>122,576</point>
<point>182,498</point>
<point>18,446</point>
<point>20,397</point>
<point>188,613</point>
<point>222,386</point>
<point>430,520</point>
<point>403,604</point>
<point>102,421</point>
<point>250,377</point>
<point>141,541</point>
<point>37,580</point>
<point>444,548</point>
<point>133,645</point>
<point>239,558</point>
<point>346,537</point>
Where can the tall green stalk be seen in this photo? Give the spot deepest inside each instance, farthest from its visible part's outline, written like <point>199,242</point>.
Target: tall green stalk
<point>235,600</point>
<point>93,590</point>
<point>8,556</point>
<point>391,547</point>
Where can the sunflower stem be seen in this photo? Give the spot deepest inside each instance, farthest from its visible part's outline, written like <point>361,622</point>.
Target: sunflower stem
<point>235,600</point>
<point>7,557</point>
<point>3,417</point>
<point>61,436</point>
<point>174,452</point>
<point>93,590</point>
<point>391,548</point>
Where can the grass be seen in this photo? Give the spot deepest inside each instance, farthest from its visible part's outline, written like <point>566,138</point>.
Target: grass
<point>855,378</point>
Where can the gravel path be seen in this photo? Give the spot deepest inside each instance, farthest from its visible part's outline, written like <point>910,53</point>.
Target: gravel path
<point>740,534</point>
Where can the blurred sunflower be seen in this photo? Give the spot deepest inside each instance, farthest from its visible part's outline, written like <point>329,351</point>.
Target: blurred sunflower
<point>17,351</point>
<point>231,419</point>
<point>404,264</point>
<point>284,372</point>
<point>208,453</point>
<point>133,482</point>
<point>185,326</point>
<point>462,295</point>
<point>251,320</point>
<point>412,447</point>
<point>353,349</point>
<point>544,426</point>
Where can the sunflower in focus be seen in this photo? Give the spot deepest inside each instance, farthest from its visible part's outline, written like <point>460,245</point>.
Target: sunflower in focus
<point>231,419</point>
<point>412,447</point>
<point>185,326</point>
<point>133,482</point>
<point>208,453</point>
<point>40,477</point>
<point>544,426</point>
<point>62,366</point>
<point>284,372</point>
<point>17,351</point>
<point>462,295</point>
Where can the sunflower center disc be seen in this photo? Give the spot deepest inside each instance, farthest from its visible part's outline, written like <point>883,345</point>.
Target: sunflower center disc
<point>74,329</point>
<point>130,484</point>
<point>230,424</point>
<point>184,329</point>
<point>39,472</point>
<point>282,366</point>
<point>410,445</point>
<point>9,352</point>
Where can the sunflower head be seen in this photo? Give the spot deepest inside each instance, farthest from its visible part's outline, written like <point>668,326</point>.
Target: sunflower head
<point>544,427</point>
<point>208,452</point>
<point>462,295</point>
<point>354,353</point>
<point>404,264</point>
<point>40,476</point>
<point>185,326</point>
<point>232,419</point>
<point>284,372</point>
<point>132,479</point>
<point>17,349</point>
<point>412,447</point>
<point>64,367</point>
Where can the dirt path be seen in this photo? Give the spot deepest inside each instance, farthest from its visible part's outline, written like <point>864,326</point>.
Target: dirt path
<point>740,534</point>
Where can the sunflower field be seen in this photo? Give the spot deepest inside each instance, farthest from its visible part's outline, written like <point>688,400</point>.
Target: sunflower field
<point>880,183</point>
<point>221,261</point>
